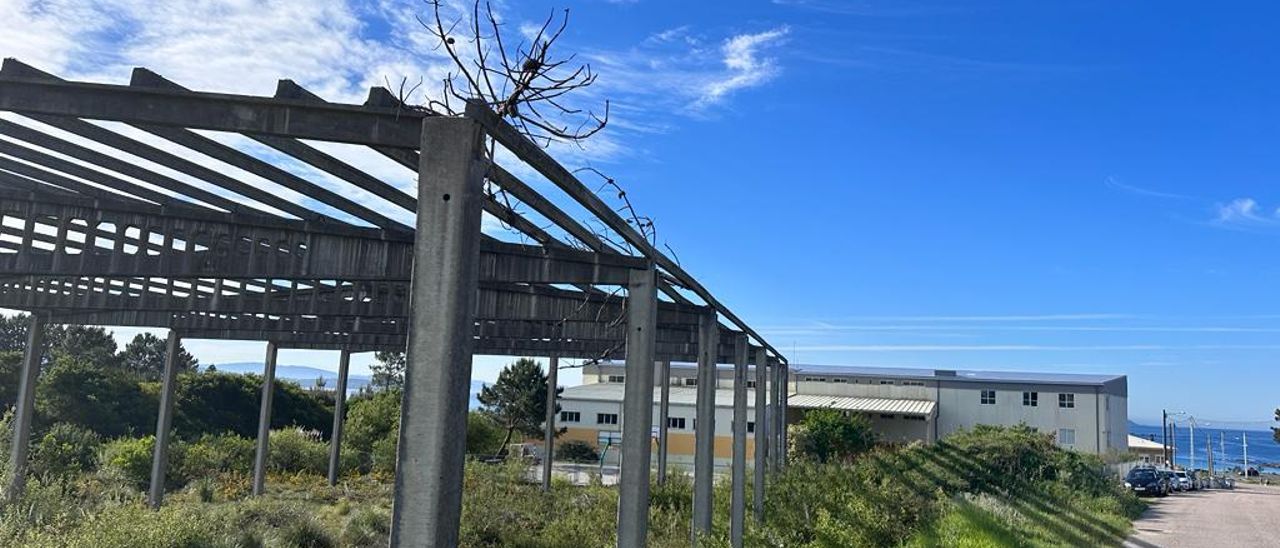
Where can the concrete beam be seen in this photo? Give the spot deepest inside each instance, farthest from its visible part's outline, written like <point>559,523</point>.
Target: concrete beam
<point>738,491</point>
<point>705,428</point>
<point>22,91</point>
<point>20,444</point>
<point>637,410</point>
<point>339,414</point>
<point>264,420</point>
<point>427,504</point>
<point>164,420</point>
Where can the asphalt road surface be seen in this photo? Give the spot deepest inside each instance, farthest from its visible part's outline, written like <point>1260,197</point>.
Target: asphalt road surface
<point>1245,516</point>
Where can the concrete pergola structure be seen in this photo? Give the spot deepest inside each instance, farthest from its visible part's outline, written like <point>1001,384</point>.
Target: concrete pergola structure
<point>97,234</point>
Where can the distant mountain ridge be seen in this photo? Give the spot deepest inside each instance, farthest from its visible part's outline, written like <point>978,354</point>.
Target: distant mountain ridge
<point>306,376</point>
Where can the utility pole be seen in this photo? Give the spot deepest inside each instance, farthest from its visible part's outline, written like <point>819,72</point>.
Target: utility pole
<point>1244,436</point>
<point>1173,445</point>
<point>1191,447</point>
<point>1164,435</point>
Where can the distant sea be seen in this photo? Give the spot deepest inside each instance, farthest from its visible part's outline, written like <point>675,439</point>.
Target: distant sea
<point>306,377</point>
<point>1227,446</point>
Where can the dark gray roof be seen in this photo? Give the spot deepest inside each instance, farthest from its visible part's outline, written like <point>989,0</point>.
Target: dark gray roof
<point>1088,379</point>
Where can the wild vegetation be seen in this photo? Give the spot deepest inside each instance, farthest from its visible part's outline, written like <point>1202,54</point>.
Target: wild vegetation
<point>985,487</point>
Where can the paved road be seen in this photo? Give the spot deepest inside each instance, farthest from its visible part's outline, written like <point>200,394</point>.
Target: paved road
<point>1242,517</point>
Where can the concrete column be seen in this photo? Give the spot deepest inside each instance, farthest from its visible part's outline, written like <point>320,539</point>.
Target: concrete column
<point>664,414</point>
<point>776,424</point>
<point>738,491</point>
<point>264,420</point>
<point>164,422</point>
<point>20,444</point>
<point>761,435</point>
<point>549,443</point>
<point>427,503</point>
<point>705,429</point>
<point>782,415</point>
<point>637,409</point>
<point>339,412</point>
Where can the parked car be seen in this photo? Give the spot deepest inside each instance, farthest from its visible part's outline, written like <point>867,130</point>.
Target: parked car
<point>1170,480</point>
<point>1184,481</point>
<point>1147,481</point>
<point>1197,480</point>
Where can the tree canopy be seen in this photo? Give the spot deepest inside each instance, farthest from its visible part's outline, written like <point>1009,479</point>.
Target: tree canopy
<point>518,401</point>
<point>145,354</point>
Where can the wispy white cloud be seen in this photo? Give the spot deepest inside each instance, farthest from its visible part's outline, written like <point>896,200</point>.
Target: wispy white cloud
<point>1246,214</point>
<point>681,70</point>
<point>1115,183</point>
<point>746,62</point>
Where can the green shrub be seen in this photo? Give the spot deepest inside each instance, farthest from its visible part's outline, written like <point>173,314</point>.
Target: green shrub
<point>576,451</point>
<point>484,435</point>
<point>368,527</point>
<point>305,533</point>
<point>65,451</point>
<point>297,450</point>
<point>370,420</point>
<point>212,455</point>
<point>106,401</point>
<point>828,434</point>
<point>217,403</point>
<point>130,458</point>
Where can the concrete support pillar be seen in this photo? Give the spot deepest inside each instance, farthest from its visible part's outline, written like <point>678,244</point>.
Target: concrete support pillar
<point>264,420</point>
<point>761,435</point>
<point>775,438</point>
<point>427,503</point>
<point>637,409</point>
<point>339,412</point>
<point>782,419</point>
<point>549,443</point>
<point>164,421</point>
<point>738,491</point>
<point>705,425</point>
<point>20,444</point>
<point>664,414</point>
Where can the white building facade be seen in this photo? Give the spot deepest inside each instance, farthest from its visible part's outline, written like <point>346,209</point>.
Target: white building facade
<point>1087,413</point>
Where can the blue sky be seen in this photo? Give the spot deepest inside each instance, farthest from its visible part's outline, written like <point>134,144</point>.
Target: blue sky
<point>1083,186</point>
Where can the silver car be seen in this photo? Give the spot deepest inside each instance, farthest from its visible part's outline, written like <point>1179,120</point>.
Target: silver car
<point>1184,481</point>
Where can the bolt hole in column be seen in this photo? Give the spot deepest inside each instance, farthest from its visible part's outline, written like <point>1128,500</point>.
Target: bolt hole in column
<point>446,197</point>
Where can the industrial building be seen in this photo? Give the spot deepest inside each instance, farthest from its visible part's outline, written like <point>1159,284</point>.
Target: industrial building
<point>1087,413</point>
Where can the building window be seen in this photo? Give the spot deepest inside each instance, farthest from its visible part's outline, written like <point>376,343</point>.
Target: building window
<point>1067,401</point>
<point>616,378</point>
<point>691,381</point>
<point>913,418</point>
<point>570,416</point>
<point>751,384</point>
<point>675,422</point>
<point>912,383</point>
<point>885,381</point>
<point>1031,399</point>
<point>751,427</point>
<point>886,416</point>
<point>1066,436</point>
<point>606,418</point>
<point>988,397</point>
<point>841,381</point>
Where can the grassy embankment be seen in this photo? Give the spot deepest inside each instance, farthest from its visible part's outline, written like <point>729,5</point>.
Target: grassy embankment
<point>992,487</point>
